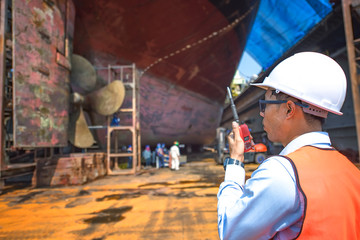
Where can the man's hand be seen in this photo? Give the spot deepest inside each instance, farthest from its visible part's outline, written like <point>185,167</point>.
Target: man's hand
<point>236,144</point>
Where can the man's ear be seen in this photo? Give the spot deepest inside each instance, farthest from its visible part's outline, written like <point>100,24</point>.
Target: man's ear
<point>290,109</point>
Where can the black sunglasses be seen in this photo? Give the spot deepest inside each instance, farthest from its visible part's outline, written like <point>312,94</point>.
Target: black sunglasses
<point>262,104</point>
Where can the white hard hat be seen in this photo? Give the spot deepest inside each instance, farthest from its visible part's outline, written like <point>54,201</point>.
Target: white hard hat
<point>313,78</point>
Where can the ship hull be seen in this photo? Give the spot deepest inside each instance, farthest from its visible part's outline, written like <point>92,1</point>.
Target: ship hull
<point>186,53</point>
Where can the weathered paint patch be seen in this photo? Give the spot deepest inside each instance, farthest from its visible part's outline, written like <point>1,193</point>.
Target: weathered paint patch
<point>75,169</point>
<point>41,72</point>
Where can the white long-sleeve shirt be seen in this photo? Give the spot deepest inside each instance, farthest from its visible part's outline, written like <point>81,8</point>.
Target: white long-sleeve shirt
<point>269,204</point>
<point>174,152</point>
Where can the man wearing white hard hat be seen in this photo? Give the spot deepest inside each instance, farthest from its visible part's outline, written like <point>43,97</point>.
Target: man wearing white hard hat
<point>308,191</point>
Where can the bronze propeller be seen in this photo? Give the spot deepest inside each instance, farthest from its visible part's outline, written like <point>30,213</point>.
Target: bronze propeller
<point>104,101</point>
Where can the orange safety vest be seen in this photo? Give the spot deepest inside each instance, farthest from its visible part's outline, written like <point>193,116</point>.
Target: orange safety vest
<point>330,184</point>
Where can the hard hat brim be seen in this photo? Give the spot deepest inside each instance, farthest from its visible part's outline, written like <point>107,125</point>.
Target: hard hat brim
<point>260,85</point>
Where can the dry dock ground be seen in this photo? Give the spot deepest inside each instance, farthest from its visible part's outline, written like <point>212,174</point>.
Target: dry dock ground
<point>156,204</point>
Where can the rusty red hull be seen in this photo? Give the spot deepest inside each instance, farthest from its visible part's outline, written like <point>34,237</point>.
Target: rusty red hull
<point>41,69</point>
<point>187,52</point>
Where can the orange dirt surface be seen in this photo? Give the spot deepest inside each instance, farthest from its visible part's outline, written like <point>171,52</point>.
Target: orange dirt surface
<point>156,204</point>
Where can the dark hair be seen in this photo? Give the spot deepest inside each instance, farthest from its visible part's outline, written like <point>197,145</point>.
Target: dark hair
<point>310,119</point>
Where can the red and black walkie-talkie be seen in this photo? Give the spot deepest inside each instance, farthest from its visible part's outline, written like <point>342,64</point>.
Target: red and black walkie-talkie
<point>243,128</point>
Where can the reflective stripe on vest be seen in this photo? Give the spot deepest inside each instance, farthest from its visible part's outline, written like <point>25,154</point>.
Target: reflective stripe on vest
<point>330,184</point>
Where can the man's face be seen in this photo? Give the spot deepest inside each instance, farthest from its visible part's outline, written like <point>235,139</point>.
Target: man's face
<point>273,118</point>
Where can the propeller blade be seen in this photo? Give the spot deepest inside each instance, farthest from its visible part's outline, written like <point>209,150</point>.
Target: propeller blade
<point>82,75</point>
<point>99,134</point>
<point>106,100</point>
<point>79,133</point>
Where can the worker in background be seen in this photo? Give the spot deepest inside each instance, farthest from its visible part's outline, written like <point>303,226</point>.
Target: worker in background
<point>175,156</point>
<point>147,156</point>
<point>153,158</point>
<point>163,146</point>
<point>310,190</point>
<point>130,162</point>
<point>115,121</point>
<point>160,156</point>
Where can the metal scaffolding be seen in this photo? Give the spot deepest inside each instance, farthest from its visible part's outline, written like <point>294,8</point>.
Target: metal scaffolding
<point>351,7</point>
<point>128,75</point>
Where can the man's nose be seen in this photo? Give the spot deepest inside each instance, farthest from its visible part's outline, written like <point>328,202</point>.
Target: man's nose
<point>262,114</point>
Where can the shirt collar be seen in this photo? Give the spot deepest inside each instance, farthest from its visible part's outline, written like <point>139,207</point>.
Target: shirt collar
<point>318,139</point>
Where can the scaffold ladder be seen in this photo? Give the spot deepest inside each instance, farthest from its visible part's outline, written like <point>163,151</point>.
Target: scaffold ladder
<point>353,50</point>
<point>134,128</point>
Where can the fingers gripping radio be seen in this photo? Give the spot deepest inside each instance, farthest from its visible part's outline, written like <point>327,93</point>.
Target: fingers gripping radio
<point>243,128</point>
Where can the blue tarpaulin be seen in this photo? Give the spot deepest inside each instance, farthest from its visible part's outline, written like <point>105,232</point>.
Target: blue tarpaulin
<point>280,24</point>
